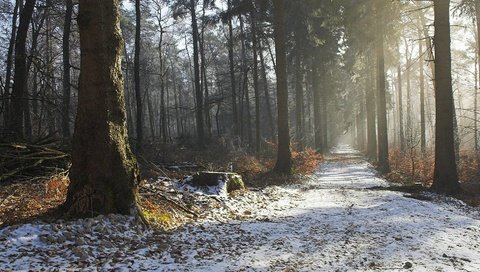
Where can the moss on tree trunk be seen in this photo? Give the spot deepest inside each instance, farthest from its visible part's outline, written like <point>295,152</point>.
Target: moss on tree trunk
<point>104,173</point>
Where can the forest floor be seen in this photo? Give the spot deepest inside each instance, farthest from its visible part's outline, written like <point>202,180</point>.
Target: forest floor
<point>332,221</point>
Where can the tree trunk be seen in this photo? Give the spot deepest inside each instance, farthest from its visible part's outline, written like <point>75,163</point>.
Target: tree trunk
<point>208,118</point>
<point>409,102</point>
<point>423,140</point>
<point>361,123</point>
<point>382,129</point>
<point>245,121</point>
<point>21,73</point>
<point>317,108</point>
<point>11,47</point>
<point>284,157</point>
<point>475,106</point>
<point>151,115</point>
<point>324,117</point>
<point>255,84</point>
<point>271,126</point>
<point>136,68</point>
<point>196,67</point>
<point>127,86</point>
<point>477,17</point>
<point>163,79</point>
<point>232,72</point>
<point>445,179</point>
<point>178,119</point>
<point>104,175</point>
<point>299,112</point>
<point>50,73</point>
<point>66,70</point>
<point>370,104</point>
<point>400,109</point>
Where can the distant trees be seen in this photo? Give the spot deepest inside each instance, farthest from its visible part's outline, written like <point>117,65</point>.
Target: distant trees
<point>104,175</point>
<point>209,76</point>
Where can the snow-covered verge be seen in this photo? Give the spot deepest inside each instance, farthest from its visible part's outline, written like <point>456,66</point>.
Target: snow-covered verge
<point>333,222</point>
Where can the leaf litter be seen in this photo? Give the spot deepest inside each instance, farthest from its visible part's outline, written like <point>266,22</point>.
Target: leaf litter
<point>330,222</point>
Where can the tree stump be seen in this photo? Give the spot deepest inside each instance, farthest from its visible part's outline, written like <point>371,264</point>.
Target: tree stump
<point>232,181</point>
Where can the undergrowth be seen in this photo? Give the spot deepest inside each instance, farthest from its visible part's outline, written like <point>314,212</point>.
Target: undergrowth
<point>24,201</point>
<point>411,167</point>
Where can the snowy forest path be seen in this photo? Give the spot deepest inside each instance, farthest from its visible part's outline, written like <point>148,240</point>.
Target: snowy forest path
<point>334,222</point>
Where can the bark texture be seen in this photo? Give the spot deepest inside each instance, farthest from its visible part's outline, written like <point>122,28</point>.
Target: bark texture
<point>445,178</point>
<point>382,128</point>
<point>66,69</point>
<point>136,74</point>
<point>284,156</point>
<point>21,72</point>
<point>104,173</point>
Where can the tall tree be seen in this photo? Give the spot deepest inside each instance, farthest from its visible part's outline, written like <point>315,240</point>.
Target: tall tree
<point>423,140</point>
<point>232,69</point>
<point>266,93</point>
<point>317,120</point>
<point>299,108</point>
<point>255,81</point>
<point>445,178</point>
<point>104,175</point>
<point>196,67</point>
<point>370,104</point>
<point>400,108</point>
<point>382,128</point>
<point>21,73</point>
<point>477,17</point>
<point>284,156</point>
<point>8,74</point>
<point>66,69</point>
<point>136,72</point>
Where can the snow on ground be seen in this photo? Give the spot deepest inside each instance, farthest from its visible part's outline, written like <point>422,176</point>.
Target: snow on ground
<point>333,222</point>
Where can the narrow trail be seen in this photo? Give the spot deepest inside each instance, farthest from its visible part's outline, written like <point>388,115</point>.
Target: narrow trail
<point>335,223</point>
<point>332,222</point>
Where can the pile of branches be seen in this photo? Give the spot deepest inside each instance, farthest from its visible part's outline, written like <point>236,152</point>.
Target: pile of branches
<point>31,161</point>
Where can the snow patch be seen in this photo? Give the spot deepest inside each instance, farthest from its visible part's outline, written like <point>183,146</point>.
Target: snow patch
<point>333,222</point>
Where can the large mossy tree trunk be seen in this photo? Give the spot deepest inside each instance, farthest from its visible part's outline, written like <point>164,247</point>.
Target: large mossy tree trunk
<point>284,156</point>
<point>104,175</point>
<point>445,178</point>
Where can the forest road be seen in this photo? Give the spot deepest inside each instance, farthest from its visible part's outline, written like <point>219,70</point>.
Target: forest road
<point>330,222</point>
<point>334,222</point>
